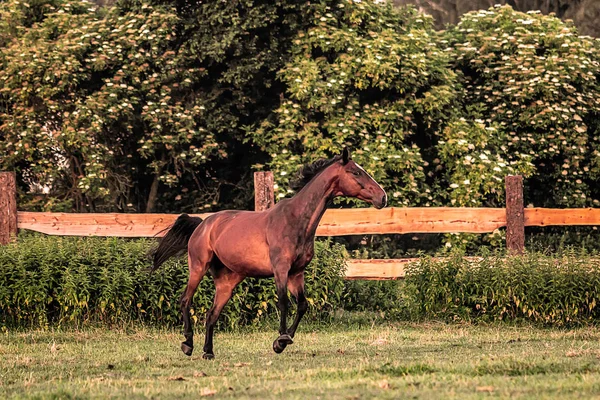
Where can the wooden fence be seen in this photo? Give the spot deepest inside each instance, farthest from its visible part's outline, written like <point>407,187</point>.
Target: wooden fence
<point>335,222</point>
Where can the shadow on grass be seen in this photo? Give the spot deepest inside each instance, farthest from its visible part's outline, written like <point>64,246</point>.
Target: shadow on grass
<point>523,368</point>
<point>387,370</point>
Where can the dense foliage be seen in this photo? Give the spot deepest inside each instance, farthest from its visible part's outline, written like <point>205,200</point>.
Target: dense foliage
<point>50,281</point>
<point>531,106</point>
<point>137,105</point>
<point>368,76</point>
<point>558,290</point>
<point>76,281</point>
<point>169,105</point>
<point>525,101</point>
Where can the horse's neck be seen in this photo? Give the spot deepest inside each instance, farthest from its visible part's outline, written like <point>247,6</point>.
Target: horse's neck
<point>310,203</point>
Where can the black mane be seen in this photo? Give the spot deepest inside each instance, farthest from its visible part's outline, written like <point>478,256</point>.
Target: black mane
<point>309,171</point>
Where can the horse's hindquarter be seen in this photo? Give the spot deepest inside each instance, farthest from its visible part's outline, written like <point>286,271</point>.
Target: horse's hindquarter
<point>238,239</point>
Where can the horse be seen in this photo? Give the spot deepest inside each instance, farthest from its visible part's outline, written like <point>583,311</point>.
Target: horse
<point>232,245</point>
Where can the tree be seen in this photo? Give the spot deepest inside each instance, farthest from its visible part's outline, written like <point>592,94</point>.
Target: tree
<point>584,13</point>
<point>371,77</point>
<point>531,104</point>
<point>140,106</point>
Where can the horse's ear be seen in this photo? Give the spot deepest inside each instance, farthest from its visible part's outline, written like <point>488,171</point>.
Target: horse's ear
<point>346,155</point>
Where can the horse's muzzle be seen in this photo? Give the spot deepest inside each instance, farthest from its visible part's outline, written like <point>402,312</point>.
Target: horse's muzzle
<point>382,202</point>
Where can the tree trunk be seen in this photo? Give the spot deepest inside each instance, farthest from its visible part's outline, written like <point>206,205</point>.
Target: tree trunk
<point>153,195</point>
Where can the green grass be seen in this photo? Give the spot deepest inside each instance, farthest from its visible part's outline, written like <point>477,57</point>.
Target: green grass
<point>337,362</point>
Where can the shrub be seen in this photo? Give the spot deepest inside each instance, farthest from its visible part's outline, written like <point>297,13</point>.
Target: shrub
<point>367,75</point>
<point>530,106</point>
<point>100,105</point>
<point>563,290</point>
<point>74,281</point>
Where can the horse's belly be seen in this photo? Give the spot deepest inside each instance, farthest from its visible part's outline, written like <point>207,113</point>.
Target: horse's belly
<point>246,260</point>
<point>242,248</point>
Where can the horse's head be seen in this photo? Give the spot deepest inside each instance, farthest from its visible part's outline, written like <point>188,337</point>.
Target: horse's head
<point>354,181</point>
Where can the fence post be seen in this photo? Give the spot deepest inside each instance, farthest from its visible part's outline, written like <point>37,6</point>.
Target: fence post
<point>515,214</point>
<point>264,192</point>
<point>8,207</point>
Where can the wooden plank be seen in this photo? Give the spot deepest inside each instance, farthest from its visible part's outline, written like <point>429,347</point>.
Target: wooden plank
<point>561,216</point>
<point>334,222</point>
<point>360,221</point>
<point>105,224</point>
<point>515,216</point>
<point>8,207</point>
<point>385,269</point>
<point>264,190</point>
<point>377,269</point>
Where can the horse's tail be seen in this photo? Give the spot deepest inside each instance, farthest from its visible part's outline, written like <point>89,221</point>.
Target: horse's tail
<point>175,242</point>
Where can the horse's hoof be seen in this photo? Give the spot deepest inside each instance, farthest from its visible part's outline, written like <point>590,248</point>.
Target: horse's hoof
<point>281,343</point>
<point>277,348</point>
<point>285,339</point>
<point>187,350</point>
<point>208,356</point>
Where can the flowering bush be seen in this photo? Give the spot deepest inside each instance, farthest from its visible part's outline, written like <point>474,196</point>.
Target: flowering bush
<point>140,104</point>
<point>530,106</point>
<point>369,76</point>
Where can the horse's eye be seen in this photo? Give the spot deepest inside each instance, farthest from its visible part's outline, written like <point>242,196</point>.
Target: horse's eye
<point>356,173</point>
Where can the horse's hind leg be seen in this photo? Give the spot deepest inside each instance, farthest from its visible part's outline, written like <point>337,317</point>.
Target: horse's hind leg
<point>198,268</point>
<point>225,281</point>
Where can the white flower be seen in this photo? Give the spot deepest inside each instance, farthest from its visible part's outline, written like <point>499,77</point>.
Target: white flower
<point>454,186</point>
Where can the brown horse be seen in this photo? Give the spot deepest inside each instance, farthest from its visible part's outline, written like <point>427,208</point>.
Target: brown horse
<point>277,243</point>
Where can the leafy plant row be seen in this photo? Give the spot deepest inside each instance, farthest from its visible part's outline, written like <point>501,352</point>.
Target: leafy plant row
<point>54,281</point>
<point>74,281</point>
<point>559,290</point>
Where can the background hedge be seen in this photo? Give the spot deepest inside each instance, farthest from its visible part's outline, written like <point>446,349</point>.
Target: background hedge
<point>73,281</point>
<point>53,281</point>
<point>560,290</point>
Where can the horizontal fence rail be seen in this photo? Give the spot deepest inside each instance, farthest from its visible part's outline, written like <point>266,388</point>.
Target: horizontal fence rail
<point>342,222</point>
<point>335,222</point>
<point>383,269</point>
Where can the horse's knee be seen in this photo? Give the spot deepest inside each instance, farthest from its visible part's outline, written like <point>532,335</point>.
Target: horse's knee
<point>184,303</point>
<point>210,318</point>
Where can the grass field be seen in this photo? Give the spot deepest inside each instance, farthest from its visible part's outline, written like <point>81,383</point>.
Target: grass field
<point>383,361</point>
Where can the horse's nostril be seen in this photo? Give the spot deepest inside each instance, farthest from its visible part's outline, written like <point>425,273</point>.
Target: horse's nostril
<point>384,200</point>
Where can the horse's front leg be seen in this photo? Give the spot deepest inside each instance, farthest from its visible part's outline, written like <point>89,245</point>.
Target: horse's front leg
<point>296,287</point>
<point>281,271</point>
